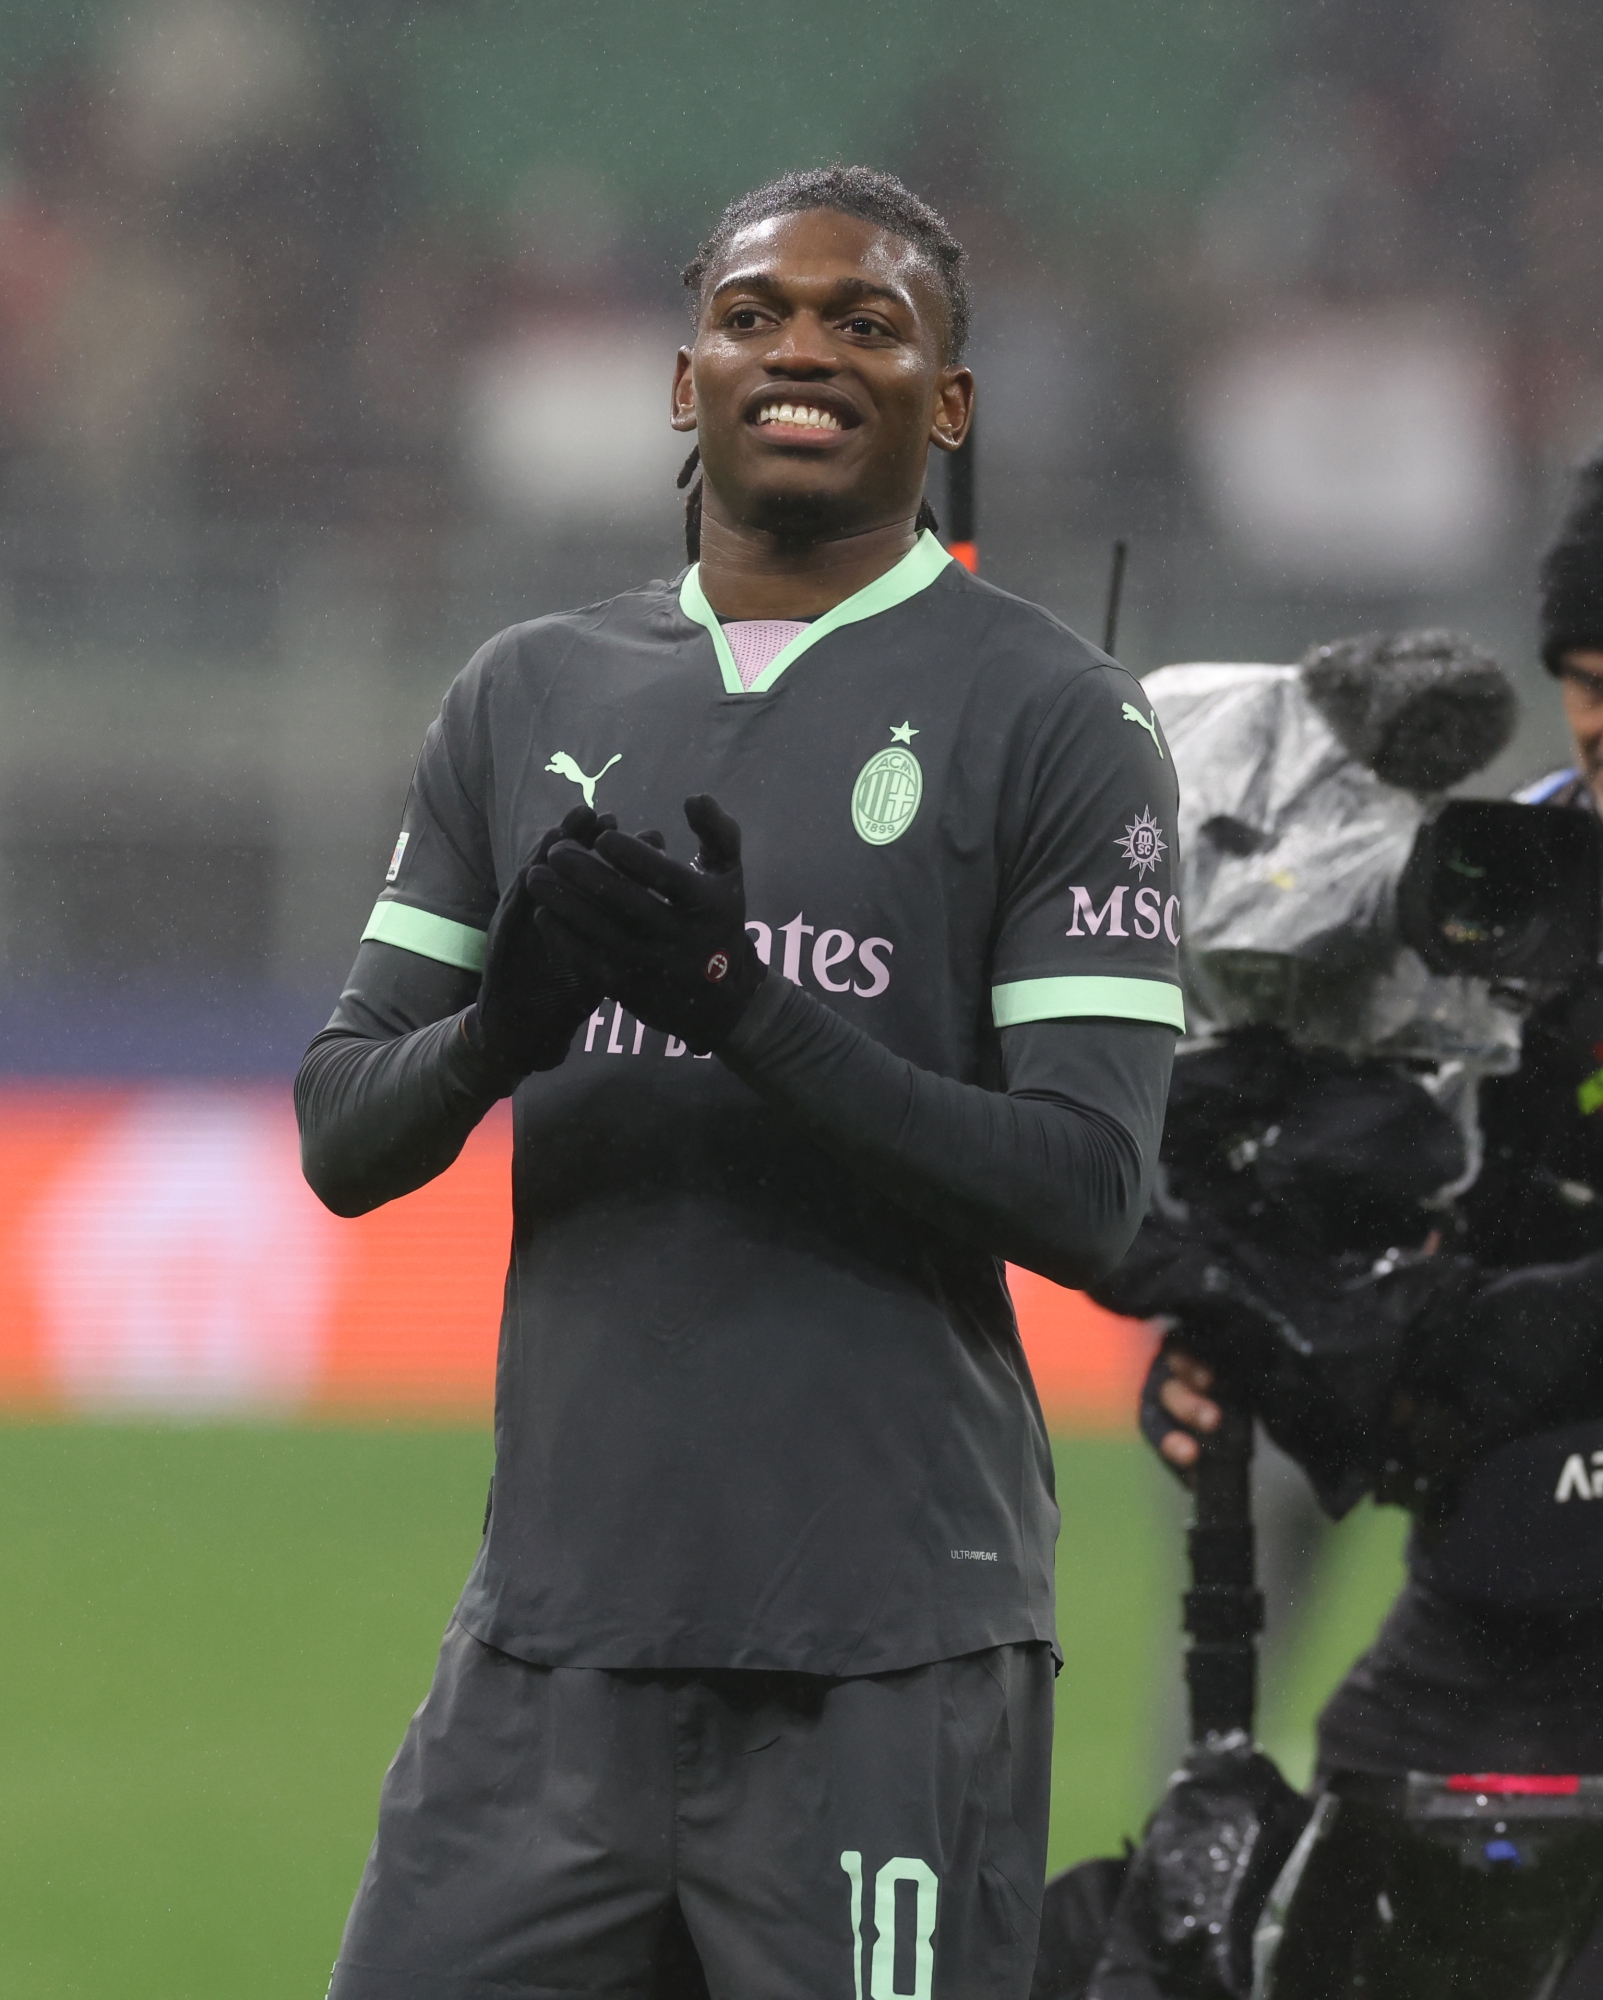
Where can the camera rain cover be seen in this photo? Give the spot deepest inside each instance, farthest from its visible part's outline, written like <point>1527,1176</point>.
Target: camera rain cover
<point>1183,1925</point>
<point>1292,851</point>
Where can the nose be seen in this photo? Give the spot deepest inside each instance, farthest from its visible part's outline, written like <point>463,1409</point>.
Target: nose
<point>802,349</point>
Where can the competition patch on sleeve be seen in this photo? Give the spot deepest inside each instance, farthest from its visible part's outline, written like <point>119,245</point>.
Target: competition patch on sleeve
<point>394,869</point>
<point>429,936</point>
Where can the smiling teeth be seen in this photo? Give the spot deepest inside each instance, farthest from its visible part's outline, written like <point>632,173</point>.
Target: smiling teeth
<point>798,413</point>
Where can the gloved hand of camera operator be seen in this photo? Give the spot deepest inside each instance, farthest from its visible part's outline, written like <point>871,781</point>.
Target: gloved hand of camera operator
<point>533,998</point>
<point>666,938</point>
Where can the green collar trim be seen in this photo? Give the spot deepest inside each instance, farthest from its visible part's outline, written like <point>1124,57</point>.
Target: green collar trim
<point>916,571</point>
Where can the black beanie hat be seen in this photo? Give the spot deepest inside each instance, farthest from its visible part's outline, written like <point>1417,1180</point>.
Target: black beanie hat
<point>1572,572</point>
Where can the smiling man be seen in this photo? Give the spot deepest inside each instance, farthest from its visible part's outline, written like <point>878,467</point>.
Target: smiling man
<point>760,1638</point>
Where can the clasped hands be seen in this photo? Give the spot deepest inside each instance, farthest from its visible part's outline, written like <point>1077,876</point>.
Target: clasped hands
<point>598,912</point>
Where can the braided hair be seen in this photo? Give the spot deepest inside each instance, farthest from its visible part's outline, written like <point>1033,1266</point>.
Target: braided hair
<point>871,196</point>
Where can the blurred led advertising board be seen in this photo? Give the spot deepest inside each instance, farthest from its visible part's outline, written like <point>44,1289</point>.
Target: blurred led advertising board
<point>161,1257</point>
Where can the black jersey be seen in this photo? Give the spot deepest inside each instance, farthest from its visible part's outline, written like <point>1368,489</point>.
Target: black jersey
<point>750,1410</point>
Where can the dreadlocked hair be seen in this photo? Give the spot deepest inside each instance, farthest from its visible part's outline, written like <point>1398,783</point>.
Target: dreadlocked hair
<point>871,196</point>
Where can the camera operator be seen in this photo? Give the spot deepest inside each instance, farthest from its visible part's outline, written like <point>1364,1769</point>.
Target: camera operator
<point>1490,1430</point>
<point>1539,1198</point>
<point>1488,1662</point>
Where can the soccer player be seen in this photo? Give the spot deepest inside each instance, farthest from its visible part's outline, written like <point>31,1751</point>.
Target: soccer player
<point>760,1638</point>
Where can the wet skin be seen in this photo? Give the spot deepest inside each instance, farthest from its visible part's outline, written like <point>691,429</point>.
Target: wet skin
<point>1184,1397</point>
<point>826,311</point>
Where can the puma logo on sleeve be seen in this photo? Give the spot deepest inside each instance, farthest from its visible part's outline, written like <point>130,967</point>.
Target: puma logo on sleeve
<point>1147,722</point>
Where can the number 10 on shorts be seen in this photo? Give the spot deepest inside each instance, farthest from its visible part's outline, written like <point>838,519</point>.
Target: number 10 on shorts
<point>882,1966</point>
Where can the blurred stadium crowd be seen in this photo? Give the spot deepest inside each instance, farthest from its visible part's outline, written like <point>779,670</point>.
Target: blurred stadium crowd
<point>335,337</point>
<point>332,339</point>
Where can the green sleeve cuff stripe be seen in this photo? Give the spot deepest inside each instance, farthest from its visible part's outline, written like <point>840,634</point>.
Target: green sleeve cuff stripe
<point>426,934</point>
<point>1112,999</point>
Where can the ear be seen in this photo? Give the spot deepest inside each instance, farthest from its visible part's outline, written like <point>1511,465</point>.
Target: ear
<point>954,408</point>
<point>682,404</point>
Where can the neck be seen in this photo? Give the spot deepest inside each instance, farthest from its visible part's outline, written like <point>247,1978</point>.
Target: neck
<point>753,573</point>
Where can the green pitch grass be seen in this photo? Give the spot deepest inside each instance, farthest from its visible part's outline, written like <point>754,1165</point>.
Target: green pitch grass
<point>213,1638</point>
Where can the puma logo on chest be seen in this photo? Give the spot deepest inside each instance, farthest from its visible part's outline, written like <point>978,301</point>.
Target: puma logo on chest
<point>563,766</point>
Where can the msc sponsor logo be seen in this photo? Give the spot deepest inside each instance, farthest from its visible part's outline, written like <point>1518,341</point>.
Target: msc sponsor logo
<point>1143,845</point>
<point>1576,1483</point>
<point>831,959</point>
<point>1149,913</point>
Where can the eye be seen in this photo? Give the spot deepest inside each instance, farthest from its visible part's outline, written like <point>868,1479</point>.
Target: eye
<point>865,327</point>
<point>743,319</point>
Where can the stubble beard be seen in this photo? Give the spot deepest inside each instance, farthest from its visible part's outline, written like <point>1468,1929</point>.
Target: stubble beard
<point>793,518</point>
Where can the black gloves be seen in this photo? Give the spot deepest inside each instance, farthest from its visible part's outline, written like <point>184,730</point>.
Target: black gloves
<point>599,912</point>
<point>665,938</point>
<point>532,998</point>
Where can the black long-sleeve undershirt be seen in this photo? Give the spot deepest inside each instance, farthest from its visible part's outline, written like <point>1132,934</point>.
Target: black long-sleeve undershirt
<point>1051,1173</point>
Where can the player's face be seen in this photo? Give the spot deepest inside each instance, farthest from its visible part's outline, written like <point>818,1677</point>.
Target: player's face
<point>818,378</point>
<point>1581,686</point>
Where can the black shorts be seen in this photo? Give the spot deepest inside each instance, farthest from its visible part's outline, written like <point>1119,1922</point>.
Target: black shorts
<point>881,1838</point>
